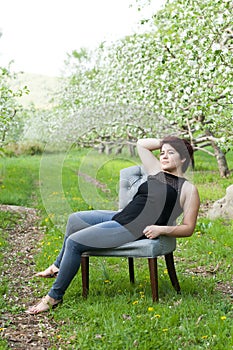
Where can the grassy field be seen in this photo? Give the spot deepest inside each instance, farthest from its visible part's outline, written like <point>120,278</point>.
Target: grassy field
<point>117,315</point>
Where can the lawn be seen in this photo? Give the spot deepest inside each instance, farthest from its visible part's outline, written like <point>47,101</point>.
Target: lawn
<point>117,315</point>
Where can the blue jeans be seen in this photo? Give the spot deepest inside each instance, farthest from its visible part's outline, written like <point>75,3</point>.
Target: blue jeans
<point>87,230</point>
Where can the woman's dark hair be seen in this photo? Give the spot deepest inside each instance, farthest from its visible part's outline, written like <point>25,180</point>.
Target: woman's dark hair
<point>183,147</point>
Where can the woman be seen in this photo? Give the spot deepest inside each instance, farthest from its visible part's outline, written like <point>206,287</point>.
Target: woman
<point>152,212</point>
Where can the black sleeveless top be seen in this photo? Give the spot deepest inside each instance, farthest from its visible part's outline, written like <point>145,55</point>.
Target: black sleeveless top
<point>157,202</point>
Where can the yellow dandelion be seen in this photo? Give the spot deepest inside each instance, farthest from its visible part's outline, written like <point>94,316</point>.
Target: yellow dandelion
<point>107,281</point>
<point>165,329</point>
<point>210,253</point>
<point>49,243</point>
<point>204,337</point>
<point>165,272</point>
<point>135,302</point>
<point>150,309</point>
<point>223,318</point>
<point>157,316</point>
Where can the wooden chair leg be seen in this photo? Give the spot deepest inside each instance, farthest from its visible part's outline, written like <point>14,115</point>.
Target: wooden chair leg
<point>172,271</point>
<point>152,262</point>
<point>85,275</point>
<point>131,269</point>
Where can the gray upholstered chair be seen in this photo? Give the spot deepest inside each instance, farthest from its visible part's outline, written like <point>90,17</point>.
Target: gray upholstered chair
<point>130,179</point>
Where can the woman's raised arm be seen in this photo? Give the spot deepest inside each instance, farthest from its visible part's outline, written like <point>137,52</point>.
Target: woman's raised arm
<point>149,161</point>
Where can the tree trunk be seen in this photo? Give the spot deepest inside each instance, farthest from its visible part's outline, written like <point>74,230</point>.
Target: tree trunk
<point>101,148</point>
<point>220,157</point>
<point>108,147</point>
<point>119,149</point>
<point>132,150</point>
<point>221,160</point>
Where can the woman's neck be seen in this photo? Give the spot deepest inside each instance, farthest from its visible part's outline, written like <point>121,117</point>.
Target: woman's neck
<point>175,173</point>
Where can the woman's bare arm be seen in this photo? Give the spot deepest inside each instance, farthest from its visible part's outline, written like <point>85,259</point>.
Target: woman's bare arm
<point>149,161</point>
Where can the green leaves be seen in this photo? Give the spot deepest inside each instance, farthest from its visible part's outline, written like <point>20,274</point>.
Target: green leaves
<point>9,106</point>
<point>175,78</point>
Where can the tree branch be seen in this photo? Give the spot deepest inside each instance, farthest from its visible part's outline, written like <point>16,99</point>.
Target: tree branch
<point>169,51</point>
<point>204,150</point>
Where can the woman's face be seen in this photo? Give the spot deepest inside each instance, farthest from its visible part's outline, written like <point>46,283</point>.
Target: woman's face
<point>170,159</point>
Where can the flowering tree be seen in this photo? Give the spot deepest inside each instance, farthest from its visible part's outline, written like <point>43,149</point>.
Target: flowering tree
<point>176,78</point>
<point>10,118</point>
<point>194,82</point>
<point>181,70</point>
<point>105,96</point>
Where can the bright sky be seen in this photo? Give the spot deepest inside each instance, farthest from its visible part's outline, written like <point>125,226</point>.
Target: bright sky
<point>38,34</point>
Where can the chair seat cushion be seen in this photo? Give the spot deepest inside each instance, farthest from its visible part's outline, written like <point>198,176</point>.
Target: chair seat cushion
<point>142,248</point>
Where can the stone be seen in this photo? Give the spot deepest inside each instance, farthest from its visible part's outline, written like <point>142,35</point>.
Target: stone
<point>223,208</point>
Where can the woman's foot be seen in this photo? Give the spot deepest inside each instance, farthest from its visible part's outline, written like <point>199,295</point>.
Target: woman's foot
<point>46,303</point>
<point>50,272</point>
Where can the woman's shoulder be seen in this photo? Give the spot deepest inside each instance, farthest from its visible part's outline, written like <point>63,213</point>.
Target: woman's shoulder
<point>188,185</point>
<point>189,192</point>
<point>189,189</point>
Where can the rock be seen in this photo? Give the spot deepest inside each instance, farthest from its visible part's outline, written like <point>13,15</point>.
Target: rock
<point>223,207</point>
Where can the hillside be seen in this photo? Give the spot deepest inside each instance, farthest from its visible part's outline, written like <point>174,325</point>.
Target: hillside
<point>41,88</point>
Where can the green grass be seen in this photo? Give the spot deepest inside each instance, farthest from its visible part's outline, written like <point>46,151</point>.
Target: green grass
<point>18,180</point>
<point>7,223</point>
<point>117,315</point>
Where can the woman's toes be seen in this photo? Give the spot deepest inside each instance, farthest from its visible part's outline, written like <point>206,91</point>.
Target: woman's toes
<point>45,304</point>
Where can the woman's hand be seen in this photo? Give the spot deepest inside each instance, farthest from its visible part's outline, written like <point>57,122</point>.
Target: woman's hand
<point>152,231</point>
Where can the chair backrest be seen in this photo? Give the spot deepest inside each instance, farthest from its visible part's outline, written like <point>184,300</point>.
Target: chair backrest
<point>130,179</point>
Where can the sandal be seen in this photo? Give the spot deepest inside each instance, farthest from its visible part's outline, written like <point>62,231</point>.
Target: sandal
<point>50,272</point>
<point>46,303</point>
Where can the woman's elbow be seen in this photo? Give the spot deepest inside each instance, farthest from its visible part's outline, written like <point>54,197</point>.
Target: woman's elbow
<point>139,143</point>
<point>190,231</point>
<point>189,234</point>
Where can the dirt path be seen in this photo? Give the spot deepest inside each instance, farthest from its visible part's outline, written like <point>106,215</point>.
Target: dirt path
<point>24,331</point>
